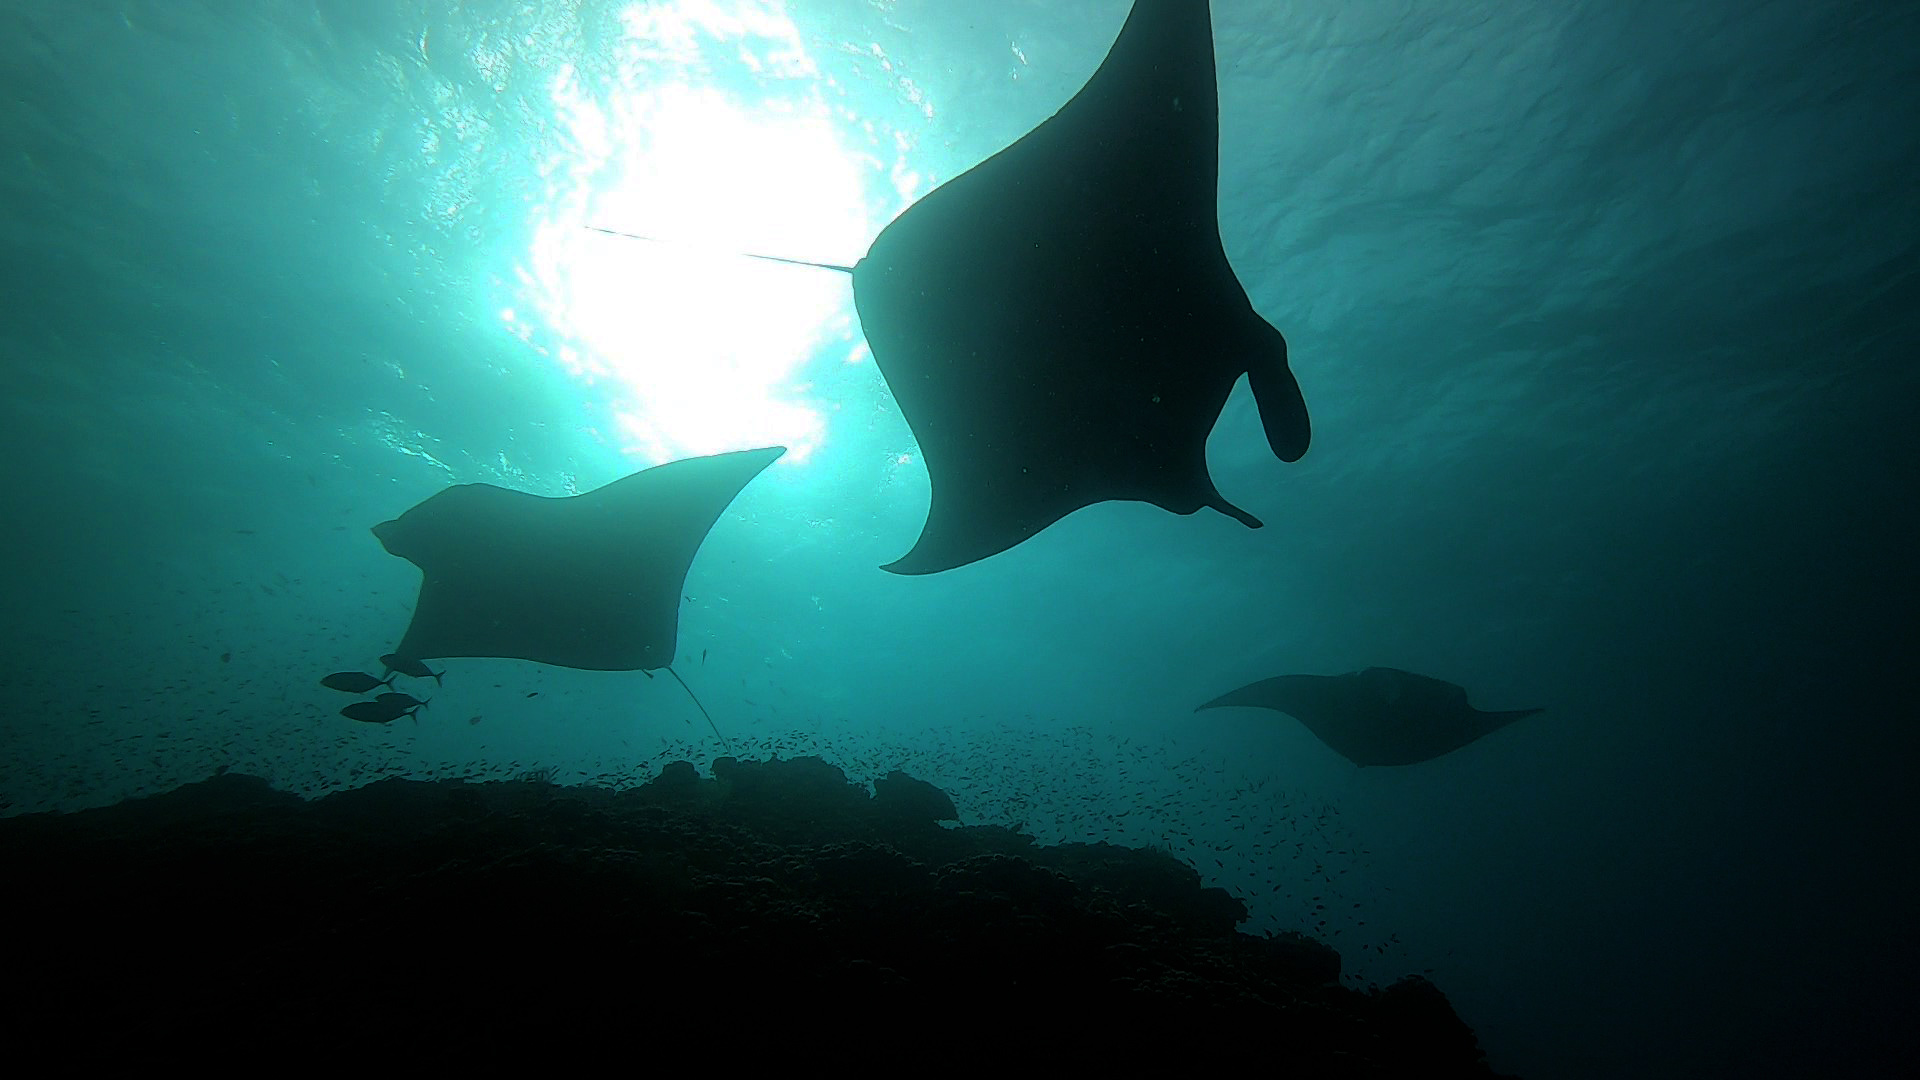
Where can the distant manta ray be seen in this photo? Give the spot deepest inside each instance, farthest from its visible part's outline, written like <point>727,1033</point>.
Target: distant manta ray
<point>1380,716</point>
<point>1060,325</point>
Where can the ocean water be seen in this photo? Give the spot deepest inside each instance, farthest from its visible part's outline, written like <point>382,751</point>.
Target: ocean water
<point>1607,315</point>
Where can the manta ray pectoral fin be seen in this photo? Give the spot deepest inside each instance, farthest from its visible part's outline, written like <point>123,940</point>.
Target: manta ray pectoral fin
<point>1283,411</point>
<point>1484,723</point>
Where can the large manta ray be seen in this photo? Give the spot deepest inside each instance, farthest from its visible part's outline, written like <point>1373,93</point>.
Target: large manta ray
<point>1060,324</point>
<point>1380,716</point>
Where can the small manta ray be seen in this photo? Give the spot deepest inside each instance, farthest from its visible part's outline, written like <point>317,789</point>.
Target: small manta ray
<point>1380,716</point>
<point>589,581</point>
<point>1060,324</point>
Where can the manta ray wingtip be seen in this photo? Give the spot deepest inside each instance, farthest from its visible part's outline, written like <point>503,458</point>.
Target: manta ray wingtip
<point>907,566</point>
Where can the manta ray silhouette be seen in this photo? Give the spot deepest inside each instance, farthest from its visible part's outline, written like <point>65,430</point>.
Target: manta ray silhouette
<point>1380,716</point>
<point>587,581</point>
<point>1060,324</point>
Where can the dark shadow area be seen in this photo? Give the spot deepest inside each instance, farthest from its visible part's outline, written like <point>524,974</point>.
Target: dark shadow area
<point>775,897</point>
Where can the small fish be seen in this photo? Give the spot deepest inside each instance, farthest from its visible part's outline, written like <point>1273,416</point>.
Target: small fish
<point>703,657</point>
<point>373,712</point>
<point>411,667</point>
<point>534,694</point>
<point>472,720</point>
<point>226,658</point>
<point>354,682</point>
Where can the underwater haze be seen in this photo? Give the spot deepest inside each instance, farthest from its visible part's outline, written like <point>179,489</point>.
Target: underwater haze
<point>1606,312</point>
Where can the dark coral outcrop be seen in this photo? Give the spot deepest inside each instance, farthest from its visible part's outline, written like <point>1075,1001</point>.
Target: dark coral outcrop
<point>775,896</point>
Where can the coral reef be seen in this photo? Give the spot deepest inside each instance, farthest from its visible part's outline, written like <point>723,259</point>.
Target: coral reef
<point>775,896</point>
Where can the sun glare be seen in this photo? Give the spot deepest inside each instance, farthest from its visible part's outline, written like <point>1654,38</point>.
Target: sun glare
<point>694,348</point>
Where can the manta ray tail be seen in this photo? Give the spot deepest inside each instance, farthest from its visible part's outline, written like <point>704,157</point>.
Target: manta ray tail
<point>743,254</point>
<point>703,709</point>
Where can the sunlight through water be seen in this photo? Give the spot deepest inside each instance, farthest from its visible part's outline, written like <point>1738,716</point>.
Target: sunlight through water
<point>692,348</point>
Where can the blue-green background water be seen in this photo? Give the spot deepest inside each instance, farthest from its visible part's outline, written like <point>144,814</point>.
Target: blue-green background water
<point>1606,312</point>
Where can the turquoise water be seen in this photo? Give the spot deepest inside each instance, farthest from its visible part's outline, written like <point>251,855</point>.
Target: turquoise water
<point>1605,313</point>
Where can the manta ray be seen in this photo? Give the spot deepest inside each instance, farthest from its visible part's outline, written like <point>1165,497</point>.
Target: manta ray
<point>1060,325</point>
<point>1380,716</point>
<point>588,581</point>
